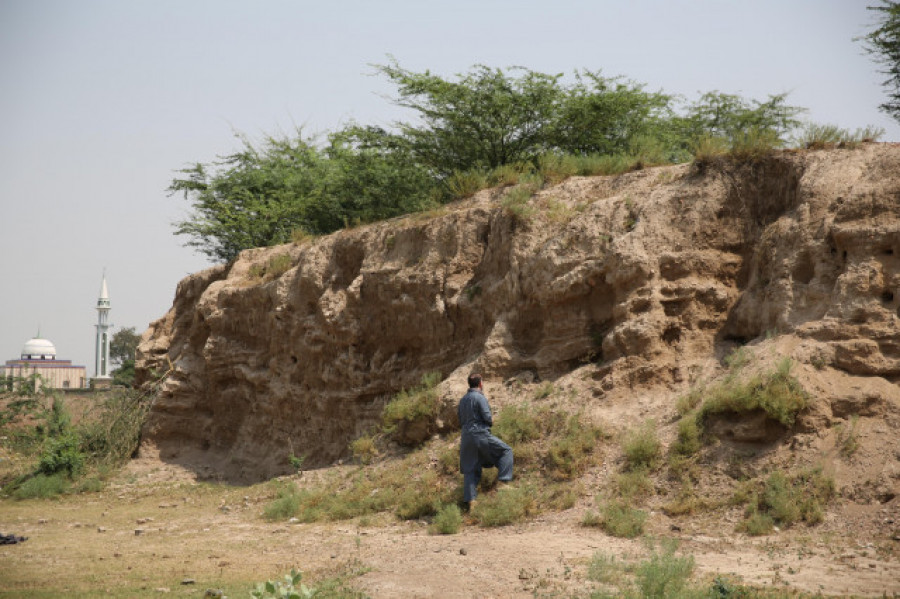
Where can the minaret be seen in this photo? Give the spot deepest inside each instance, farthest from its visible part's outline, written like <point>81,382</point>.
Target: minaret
<point>101,361</point>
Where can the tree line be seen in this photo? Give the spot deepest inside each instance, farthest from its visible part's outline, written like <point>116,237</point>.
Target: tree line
<point>269,192</point>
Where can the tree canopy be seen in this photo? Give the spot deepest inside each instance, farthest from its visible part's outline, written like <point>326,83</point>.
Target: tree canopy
<point>483,119</point>
<point>884,44</point>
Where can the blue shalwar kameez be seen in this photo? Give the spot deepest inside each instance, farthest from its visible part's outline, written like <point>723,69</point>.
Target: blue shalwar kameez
<point>478,448</point>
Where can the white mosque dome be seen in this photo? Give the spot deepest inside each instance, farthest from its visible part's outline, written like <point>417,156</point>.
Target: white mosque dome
<point>39,349</point>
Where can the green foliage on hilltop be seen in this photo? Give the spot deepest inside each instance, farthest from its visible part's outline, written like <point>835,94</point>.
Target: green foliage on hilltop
<point>884,44</point>
<point>486,127</point>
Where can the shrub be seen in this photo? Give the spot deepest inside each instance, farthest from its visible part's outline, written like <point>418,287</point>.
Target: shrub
<point>642,447</point>
<point>786,500</point>
<point>289,588</point>
<point>708,149</point>
<point>113,435</point>
<point>462,184</point>
<point>447,521</point>
<point>570,454</point>
<point>508,506</point>
<point>778,394</point>
<point>555,168</point>
<point>285,505</point>
<point>621,520</point>
<point>410,415</point>
<point>634,484</point>
<point>544,391</point>
<point>604,568</point>
<point>515,202</point>
<point>273,268</point>
<point>817,137</point>
<point>754,144</point>
<point>664,574</point>
<point>364,449</point>
<point>519,423</point>
<point>62,455</point>
<point>688,440</point>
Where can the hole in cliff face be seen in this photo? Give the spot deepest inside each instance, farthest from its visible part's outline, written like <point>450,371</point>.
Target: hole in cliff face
<point>804,269</point>
<point>675,307</point>
<point>672,335</point>
<point>889,252</point>
<point>294,359</point>
<point>346,263</point>
<point>528,330</point>
<point>887,296</point>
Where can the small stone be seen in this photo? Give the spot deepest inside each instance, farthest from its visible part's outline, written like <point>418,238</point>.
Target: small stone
<point>42,521</point>
<point>463,551</point>
<point>188,581</point>
<point>101,529</point>
<point>163,590</point>
<point>138,532</point>
<point>293,520</point>
<point>144,520</point>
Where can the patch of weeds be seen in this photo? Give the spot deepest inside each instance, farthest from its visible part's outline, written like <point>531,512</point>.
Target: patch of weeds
<point>285,505</point>
<point>544,390</point>
<point>463,184</point>
<point>42,486</point>
<point>557,211</point>
<point>296,462</point>
<point>409,416</point>
<point>555,168</point>
<point>634,484</point>
<point>447,521</point>
<point>571,453</point>
<point>754,144</point>
<point>684,502</point>
<point>273,268</point>
<point>688,402</point>
<point>708,150</point>
<point>605,569</point>
<point>559,496</point>
<point>848,438</point>
<point>631,215</point>
<point>508,506</point>
<point>507,174</point>
<point>302,237</point>
<point>515,202</point>
<point>364,449</point>
<point>738,358</point>
<point>519,423</point>
<point>786,500</point>
<point>619,519</point>
<point>642,447</point>
<point>688,441</point>
<point>663,574</point>
<point>820,137</point>
<point>777,393</point>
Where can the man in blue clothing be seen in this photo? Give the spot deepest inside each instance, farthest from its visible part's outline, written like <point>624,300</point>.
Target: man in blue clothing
<point>478,448</point>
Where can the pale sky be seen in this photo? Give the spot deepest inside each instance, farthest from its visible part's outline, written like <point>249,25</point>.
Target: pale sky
<point>103,101</point>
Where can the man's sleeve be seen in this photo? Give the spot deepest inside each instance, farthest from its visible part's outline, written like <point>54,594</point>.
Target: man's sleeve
<point>485,410</point>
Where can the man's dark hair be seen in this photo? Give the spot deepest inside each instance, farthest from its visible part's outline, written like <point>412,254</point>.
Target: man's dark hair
<point>474,381</point>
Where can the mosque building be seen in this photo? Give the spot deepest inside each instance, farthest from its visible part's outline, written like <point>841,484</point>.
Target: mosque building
<point>39,358</point>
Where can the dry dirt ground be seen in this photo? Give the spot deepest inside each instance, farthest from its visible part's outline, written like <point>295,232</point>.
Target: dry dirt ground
<point>213,535</point>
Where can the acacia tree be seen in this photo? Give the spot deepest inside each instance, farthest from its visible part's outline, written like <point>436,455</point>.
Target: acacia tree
<point>122,347</point>
<point>884,44</point>
<point>484,119</point>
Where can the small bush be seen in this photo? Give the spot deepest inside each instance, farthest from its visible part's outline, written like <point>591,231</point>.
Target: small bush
<point>664,574</point>
<point>689,433</point>
<point>642,447</point>
<point>685,501</point>
<point>447,521</point>
<point>604,568</point>
<point>364,449</point>
<point>569,455</point>
<point>62,455</point>
<point>848,439</point>
<point>778,394</point>
<point>708,149</point>
<point>621,520</point>
<point>412,410</point>
<point>545,390</point>
<point>786,500</point>
<point>515,202</point>
<point>507,506</point>
<point>463,184</point>
<point>42,486</point>
<point>555,168</point>
<point>818,137</point>
<point>273,268</point>
<point>634,484</point>
<point>754,144</point>
<point>285,505</point>
<point>519,423</point>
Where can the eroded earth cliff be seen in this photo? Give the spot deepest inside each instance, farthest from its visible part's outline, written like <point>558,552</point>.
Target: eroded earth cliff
<point>634,285</point>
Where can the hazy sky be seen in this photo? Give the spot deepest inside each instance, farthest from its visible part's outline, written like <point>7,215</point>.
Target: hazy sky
<point>103,101</point>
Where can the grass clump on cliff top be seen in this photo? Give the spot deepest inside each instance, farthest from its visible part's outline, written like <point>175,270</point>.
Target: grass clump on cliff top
<point>785,500</point>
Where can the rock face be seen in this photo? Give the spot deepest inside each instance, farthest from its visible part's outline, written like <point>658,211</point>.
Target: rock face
<point>642,276</point>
